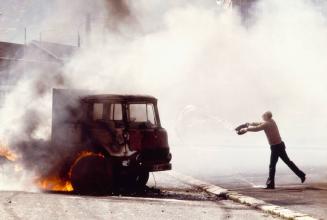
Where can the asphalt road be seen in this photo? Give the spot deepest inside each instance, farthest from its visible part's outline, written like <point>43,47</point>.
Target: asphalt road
<point>170,199</point>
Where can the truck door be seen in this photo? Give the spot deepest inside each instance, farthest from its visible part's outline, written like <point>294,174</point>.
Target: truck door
<point>107,127</point>
<point>144,127</point>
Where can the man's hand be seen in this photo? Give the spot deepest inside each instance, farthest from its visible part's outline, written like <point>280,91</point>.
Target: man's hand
<point>245,125</point>
<point>242,131</point>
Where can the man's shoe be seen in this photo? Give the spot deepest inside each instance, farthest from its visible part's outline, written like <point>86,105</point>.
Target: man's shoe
<point>269,187</point>
<point>302,178</point>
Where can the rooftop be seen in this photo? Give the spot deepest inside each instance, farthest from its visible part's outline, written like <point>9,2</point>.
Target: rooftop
<point>36,51</point>
<point>121,98</point>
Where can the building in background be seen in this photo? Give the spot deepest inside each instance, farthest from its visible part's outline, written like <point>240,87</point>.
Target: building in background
<point>16,59</point>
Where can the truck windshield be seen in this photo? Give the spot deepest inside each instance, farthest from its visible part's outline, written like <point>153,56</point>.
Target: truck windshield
<point>138,114</point>
<point>142,113</point>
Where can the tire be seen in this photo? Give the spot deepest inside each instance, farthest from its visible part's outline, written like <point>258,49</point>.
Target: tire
<point>141,179</point>
<point>92,174</point>
<point>131,180</point>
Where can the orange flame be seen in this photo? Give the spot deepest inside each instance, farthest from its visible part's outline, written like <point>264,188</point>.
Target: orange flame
<point>54,184</point>
<point>50,183</point>
<point>6,153</point>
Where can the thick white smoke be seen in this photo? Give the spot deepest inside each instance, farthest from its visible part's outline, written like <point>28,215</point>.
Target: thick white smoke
<point>210,69</point>
<point>208,58</point>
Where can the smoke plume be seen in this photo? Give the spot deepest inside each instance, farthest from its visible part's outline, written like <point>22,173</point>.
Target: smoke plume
<point>211,68</point>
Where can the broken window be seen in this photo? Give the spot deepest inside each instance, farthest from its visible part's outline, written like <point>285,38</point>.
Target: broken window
<point>116,113</point>
<point>97,111</point>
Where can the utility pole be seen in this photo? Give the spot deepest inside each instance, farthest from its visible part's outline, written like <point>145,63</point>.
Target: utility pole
<point>88,28</point>
<point>78,39</point>
<point>25,35</point>
<point>24,49</point>
<point>88,24</point>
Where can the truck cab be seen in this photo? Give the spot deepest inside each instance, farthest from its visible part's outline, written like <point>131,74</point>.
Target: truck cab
<point>117,139</point>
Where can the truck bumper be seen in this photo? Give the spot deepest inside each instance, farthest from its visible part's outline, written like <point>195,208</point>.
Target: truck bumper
<point>157,167</point>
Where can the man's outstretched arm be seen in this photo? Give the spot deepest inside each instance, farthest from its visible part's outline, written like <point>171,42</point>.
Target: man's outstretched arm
<point>257,127</point>
<point>246,125</point>
<point>255,123</point>
<point>254,127</point>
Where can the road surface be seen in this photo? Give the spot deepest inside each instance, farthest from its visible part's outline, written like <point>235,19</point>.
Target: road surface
<point>309,198</point>
<point>170,199</point>
<point>245,170</point>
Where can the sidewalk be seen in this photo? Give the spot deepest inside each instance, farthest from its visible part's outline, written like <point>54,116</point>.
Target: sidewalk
<point>252,201</point>
<point>232,169</point>
<point>309,198</point>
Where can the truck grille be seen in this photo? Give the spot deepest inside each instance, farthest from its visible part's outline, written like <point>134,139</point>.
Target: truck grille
<point>156,155</point>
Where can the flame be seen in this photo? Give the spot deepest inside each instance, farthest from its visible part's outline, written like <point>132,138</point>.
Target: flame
<point>48,183</point>
<point>54,184</point>
<point>57,184</point>
<point>6,153</point>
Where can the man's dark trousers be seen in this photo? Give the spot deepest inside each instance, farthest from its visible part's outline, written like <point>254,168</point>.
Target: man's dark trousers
<point>277,151</point>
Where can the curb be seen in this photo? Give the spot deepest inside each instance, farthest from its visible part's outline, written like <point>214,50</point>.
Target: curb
<point>239,198</point>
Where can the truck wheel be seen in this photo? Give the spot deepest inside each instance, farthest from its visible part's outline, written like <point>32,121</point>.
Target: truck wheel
<point>131,180</point>
<point>142,179</point>
<point>92,174</point>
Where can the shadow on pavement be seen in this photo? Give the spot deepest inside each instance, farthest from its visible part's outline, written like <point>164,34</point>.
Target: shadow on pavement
<point>147,192</point>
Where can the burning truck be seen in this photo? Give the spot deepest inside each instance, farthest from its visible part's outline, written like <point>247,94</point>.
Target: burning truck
<point>112,141</point>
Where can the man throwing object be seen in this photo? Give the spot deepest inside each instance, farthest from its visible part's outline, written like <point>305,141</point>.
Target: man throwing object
<point>277,146</point>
